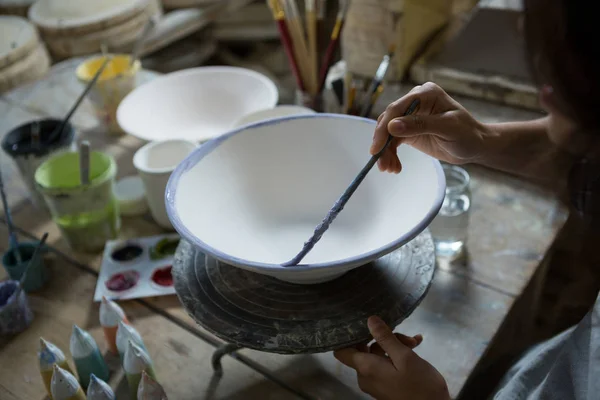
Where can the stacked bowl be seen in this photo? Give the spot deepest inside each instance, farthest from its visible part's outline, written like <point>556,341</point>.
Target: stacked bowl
<point>23,57</point>
<point>15,7</point>
<point>72,29</point>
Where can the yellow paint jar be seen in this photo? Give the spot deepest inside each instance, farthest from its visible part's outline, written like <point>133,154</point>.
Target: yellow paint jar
<point>117,80</point>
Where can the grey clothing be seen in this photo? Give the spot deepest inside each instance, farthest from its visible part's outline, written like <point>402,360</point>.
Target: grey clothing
<point>564,367</point>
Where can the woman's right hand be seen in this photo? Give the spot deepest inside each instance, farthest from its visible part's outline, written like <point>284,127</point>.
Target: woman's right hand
<point>440,127</point>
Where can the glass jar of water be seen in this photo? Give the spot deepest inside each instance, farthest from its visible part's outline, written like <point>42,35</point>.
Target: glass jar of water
<point>449,228</point>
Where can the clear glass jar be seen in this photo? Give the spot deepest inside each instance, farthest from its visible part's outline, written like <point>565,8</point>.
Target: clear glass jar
<point>450,226</point>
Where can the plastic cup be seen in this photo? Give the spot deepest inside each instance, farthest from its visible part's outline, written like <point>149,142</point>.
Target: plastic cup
<point>37,273</point>
<point>117,80</point>
<point>15,314</point>
<point>18,144</point>
<point>87,215</point>
<point>155,162</point>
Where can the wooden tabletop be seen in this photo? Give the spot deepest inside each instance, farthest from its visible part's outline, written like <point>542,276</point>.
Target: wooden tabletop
<point>513,224</point>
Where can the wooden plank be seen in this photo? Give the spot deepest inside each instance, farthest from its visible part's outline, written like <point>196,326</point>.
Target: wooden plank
<point>181,358</point>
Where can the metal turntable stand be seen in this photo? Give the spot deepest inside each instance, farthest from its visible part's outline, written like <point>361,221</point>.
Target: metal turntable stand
<point>250,310</point>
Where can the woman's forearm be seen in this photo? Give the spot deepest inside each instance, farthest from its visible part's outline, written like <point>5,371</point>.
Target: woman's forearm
<point>523,148</point>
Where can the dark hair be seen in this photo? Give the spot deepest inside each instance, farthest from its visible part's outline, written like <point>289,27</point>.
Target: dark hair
<point>561,39</point>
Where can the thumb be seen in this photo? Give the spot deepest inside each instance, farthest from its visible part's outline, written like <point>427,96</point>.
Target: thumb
<point>384,336</point>
<point>413,125</point>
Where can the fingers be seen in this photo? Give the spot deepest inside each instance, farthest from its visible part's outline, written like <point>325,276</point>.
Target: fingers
<point>409,341</point>
<point>365,364</point>
<point>427,94</point>
<point>384,336</point>
<point>413,125</point>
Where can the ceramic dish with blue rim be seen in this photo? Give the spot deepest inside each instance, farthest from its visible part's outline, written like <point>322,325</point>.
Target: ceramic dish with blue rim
<point>252,197</point>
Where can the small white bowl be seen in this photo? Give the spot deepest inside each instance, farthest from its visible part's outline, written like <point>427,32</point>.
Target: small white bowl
<point>195,104</point>
<point>277,112</point>
<point>253,197</point>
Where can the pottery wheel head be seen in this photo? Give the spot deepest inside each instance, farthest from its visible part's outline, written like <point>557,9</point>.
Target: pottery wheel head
<point>263,313</point>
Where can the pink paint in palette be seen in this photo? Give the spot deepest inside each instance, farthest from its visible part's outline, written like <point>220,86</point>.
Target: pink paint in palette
<point>137,268</point>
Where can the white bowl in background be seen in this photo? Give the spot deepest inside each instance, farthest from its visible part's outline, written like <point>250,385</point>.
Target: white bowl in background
<point>276,112</point>
<point>195,104</point>
<point>251,198</point>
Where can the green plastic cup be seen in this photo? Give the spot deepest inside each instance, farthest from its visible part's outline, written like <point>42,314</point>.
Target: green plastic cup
<point>87,215</point>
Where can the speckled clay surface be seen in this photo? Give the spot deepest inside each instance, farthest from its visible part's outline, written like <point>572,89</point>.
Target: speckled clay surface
<point>263,313</point>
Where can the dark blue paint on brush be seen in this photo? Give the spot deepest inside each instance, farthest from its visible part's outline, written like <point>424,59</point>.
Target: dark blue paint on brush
<point>339,205</point>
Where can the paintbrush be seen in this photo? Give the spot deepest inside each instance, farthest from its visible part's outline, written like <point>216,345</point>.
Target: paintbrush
<point>333,43</point>
<point>339,205</point>
<point>311,30</point>
<point>84,163</point>
<point>376,82</point>
<point>372,101</point>
<point>294,26</point>
<point>89,86</point>
<point>286,41</point>
<point>12,237</point>
<point>32,260</point>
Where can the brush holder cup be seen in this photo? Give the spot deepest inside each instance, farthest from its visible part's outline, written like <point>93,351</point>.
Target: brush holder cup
<point>15,314</point>
<point>29,154</point>
<point>117,80</point>
<point>37,273</point>
<point>87,215</point>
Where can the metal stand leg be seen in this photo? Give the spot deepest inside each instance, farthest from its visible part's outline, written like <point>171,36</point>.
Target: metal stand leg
<point>221,351</point>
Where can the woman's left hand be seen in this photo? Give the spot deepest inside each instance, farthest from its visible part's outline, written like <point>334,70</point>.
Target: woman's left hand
<point>390,370</point>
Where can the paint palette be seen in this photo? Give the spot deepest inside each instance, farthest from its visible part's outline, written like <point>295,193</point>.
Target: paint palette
<point>137,268</point>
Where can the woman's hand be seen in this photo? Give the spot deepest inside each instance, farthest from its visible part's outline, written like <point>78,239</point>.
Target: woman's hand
<point>390,370</point>
<point>440,127</point>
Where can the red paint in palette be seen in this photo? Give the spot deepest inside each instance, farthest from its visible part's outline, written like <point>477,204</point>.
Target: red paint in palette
<point>163,276</point>
<point>122,281</point>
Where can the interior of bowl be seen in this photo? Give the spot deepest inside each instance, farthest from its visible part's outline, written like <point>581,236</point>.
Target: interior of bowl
<point>195,104</point>
<point>254,196</point>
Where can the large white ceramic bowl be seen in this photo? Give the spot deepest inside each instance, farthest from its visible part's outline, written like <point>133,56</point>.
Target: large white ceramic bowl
<point>252,197</point>
<point>195,104</point>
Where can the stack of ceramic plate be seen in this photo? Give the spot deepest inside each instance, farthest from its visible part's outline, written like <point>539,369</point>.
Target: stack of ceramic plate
<point>23,57</point>
<point>77,28</point>
<point>15,7</point>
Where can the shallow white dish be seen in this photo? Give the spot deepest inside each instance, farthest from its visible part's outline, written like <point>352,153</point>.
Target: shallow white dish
<point>195,104</point>
<point>251,198</point>
<point>276,112</point>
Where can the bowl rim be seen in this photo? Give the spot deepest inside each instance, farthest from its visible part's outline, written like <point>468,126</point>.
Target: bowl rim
<point>197,155</point>
<point>123,121</point>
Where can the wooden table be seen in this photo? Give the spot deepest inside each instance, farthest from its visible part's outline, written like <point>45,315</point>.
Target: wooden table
<point>512,227</point>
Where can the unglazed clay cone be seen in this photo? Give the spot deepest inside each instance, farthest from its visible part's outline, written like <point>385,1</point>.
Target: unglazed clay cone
<point>99,390</point>
<point>48,356</point>
<point>136,361</point>
<point>110,316</point>
<point>125,333</point>
<point>64,385</point>
<point>87,357</point>
<point>149,389</point>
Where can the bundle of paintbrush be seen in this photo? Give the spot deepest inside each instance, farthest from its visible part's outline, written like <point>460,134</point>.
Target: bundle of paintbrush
<point>309,57</point>
<point>359,96</point>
